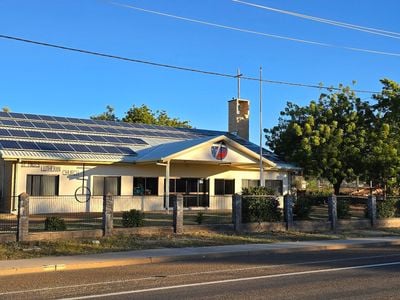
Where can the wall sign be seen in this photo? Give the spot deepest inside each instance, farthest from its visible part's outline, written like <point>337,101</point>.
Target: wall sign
<point>219,150</point>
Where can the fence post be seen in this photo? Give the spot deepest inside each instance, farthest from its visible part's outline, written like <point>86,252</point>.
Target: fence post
<point>288,208</point>
<point>332,208</point>
<point>23,217</point>
<point>237,212</point>
<point>178,214</point>
<point>372,209</point>
<point>108,214</point>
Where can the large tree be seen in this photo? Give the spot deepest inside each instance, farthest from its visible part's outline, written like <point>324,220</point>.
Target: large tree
<point>327,138</point>
<point>108,115</point>
<point>143,114</point>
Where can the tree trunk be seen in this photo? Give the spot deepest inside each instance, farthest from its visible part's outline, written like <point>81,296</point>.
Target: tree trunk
<point>336,186</point>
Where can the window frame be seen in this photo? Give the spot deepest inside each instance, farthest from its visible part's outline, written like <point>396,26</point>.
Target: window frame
<point>30,185</point>
<point>224,187</point>
<point>104,178</point>
<point>146,186</point>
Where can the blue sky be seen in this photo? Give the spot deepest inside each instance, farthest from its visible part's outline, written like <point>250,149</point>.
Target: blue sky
<point>42,80</point>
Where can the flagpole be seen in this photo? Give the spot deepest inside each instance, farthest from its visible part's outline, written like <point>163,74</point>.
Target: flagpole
<point>262,182</point>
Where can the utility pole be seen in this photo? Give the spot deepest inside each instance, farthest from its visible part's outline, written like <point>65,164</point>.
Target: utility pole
<point>262,182</point>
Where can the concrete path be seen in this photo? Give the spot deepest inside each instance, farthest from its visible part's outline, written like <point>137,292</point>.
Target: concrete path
<point>113,259</point>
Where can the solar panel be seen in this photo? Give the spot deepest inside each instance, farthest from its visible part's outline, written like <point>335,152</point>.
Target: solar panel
<point>64,147</point>
<point>98,138</point>
<point>19,133</point>
<point>112,149</point>
<point>112,139</point>
<point>9,122</point>
<point>126,150</point>
<point>61,119</point>
<point>80,148</point>
<point>98,129</point>
<point>56,126</point>
<point>47,118</point>
<point>47,146</point>
<point>96,149</point>
<point>32,117</point>
<point>4,114</point>
<point>35,134</point>
<point>112,130</point>
<point>68,136</point>
<point>17,115</point>
<point>5,144</point>
<point>28,145</point>
<point>25,124</point>
<point>4,132</point>
<point>74,120</point>
<point>84,137</point>
<point>41,125</point>
<point>71,127</point>
<point>52,135</point>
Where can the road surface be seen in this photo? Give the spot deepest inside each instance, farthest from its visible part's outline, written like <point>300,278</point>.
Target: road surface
<point>359,273</point>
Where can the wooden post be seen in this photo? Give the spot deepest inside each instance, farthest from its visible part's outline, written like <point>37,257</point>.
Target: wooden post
<point>237,212</point>
<point>372,209</point>
<point>288,208</point>
<point>178,214</point>
<point>108,214</point>
<point>332,207</point>
<point>23,217</point>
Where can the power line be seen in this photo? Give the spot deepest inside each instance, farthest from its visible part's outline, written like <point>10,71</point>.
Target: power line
<point>381,32</point>
<point>187,69</point>
<point>258,32</point>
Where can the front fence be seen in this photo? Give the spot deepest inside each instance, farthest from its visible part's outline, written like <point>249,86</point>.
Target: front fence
<point>352,207</point>
<point>310,208</point>
<point>58,213</point>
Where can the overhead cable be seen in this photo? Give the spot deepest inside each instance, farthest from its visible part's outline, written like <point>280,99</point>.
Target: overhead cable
<point>270,35</point>
<point>156,64</point>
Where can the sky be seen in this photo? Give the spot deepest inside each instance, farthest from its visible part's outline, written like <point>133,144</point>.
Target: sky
<point>42,80</point>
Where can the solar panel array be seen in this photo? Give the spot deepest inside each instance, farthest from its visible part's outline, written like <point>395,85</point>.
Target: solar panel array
<point>20,131</point>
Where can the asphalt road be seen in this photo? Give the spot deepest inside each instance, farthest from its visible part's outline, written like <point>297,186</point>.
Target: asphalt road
<point>360,273</point>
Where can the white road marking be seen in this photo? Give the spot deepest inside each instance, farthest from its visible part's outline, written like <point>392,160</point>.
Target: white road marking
<point>196,273</point>
<point>232,280</point>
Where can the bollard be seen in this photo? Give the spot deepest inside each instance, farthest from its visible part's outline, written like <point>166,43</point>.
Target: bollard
<point>23,217</point>
<point>332,207</point>
<point>178,214</point>
<point>108,214</point>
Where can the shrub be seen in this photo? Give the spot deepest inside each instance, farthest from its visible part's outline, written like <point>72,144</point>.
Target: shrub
<point>303,207</point>
<point>386,208</point>
<point>54,224</point>
<point>200,217</point>
<point>256,208</point>
<point>343,209</point>
<point>132,218</point>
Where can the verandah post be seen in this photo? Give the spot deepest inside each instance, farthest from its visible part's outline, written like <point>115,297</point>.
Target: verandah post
<point>108,214</point>
<point>178,214</point>
<point>23,217</point>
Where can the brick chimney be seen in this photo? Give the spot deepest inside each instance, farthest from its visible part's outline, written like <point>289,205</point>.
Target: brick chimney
<point>238,118</point>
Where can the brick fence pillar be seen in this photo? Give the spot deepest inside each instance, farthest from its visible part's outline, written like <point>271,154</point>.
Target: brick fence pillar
<point>178,214</point>
<point>332,208</point>
<point>237,212</point>
<point>288,209</point>
<point>372,209</point>
<point>23,217</point>
<point>108,214</point>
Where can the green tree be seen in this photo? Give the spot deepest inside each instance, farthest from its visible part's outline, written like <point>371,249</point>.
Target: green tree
<point>108,115</point>
<point>383,159</point>
<point>327,138</point>
<point>143,114</point>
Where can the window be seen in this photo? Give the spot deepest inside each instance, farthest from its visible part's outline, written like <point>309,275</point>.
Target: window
<point>224,187</point>
<point>250,183</point>
<point>275,185</point>
<point>42,185</point>
<point>145,186</point>
<point>103,185</point>
<point>188,185</point>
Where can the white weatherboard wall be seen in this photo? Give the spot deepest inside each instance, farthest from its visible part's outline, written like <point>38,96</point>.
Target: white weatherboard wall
<point>70,178</point>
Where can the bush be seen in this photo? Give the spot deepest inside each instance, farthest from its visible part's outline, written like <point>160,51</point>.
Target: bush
<point>54,224</point>
<point>200,217</point>
<point>132,218</point>
<point>343,209</point>
<point>303,207</point>
<point>386,208</point>
<point>260,209</point>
